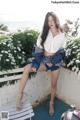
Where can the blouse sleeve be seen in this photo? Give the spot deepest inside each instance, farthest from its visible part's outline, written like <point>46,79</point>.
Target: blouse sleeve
<point>39,41</point>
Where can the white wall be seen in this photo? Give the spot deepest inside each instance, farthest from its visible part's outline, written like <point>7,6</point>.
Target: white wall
<point>68,87</point>
<point>38,87</point>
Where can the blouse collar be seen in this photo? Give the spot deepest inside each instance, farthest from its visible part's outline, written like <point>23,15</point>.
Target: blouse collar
<point>61,33</point>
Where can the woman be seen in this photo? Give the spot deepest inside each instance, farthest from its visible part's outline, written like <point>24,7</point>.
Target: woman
<point>50,40</point>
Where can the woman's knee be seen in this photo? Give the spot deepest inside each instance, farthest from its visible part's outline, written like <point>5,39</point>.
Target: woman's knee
<point>27,68</point>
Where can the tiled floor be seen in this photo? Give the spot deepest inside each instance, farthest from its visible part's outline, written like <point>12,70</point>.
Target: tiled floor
<point>41,111</point>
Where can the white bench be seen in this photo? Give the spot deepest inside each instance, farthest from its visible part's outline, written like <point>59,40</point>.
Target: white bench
<point>27,110</point>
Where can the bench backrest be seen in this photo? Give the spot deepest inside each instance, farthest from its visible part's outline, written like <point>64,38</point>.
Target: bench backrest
<point>9,75</point>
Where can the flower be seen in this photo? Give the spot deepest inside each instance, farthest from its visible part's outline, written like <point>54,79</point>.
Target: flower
<point>23,52</point>
<point>18,48</point>
<point>4,43</point>
<point>1,55</point>
<point>19,57</point>
<point>7,60</point>
<point>77,61</point>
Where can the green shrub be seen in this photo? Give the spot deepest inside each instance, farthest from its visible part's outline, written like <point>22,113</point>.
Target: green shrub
<point>73,55</point>
<point>15,51</point>
<point>11,54</point>
<point>27,38</point>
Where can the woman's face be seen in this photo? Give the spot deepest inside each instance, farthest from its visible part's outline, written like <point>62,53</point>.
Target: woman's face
<point>51,22</point>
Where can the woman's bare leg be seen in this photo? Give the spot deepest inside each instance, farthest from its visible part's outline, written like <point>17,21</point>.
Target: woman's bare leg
<point>54,79</point>
<point>23,80</point>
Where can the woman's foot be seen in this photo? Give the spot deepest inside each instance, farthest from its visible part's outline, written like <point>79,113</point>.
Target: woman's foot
<point>51,108</point>
<point>18,103</point>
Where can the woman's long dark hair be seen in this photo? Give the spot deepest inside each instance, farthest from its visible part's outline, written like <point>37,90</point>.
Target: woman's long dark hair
<point>46,27</point>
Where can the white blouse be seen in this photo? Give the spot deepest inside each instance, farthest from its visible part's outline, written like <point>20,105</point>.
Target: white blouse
<point>52,44</point>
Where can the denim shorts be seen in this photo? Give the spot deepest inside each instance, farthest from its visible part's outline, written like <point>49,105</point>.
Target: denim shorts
<point>55,60</point>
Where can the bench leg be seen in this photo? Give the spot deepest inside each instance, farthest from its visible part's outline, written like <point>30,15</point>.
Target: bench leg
<point>30,118</point>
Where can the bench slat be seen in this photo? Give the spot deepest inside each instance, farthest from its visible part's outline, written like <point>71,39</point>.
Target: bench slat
<point>20,114</point>
<point>14,112</point>
<point>12,71</point>
<point>24,117</point>
<point>9,78</point>
<point>13,108</point>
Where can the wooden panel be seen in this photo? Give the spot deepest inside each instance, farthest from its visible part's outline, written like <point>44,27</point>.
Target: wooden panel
<point>9,78</point>
<point>12,71</point>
